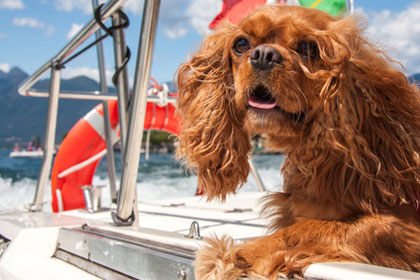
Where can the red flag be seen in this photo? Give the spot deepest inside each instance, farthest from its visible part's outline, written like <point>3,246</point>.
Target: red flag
<point>235,10</point>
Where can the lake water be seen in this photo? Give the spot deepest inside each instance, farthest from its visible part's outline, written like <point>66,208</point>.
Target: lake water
<point>159,178</point>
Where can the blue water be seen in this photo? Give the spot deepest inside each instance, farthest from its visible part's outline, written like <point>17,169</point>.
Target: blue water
<point>161,177</point>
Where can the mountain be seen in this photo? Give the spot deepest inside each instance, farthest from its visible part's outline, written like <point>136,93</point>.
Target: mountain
<point>25,117</point>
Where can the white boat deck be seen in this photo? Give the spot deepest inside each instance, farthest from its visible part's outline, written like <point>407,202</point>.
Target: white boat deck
<point>34,235</point>
<point>36,238</point>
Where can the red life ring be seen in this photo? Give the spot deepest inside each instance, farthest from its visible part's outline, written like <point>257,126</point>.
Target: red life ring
<point>85,144</point>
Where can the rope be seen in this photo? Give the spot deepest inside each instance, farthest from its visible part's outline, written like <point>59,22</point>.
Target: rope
<point>108,32</point>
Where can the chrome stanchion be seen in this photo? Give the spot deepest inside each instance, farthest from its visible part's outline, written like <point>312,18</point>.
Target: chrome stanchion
<point>127,200</point>
<point>122,85</point>
<point>350,6</point>
<point>110,159</point>
<point>49,140</point>
<point>147,148</point>
<point>256,174</point>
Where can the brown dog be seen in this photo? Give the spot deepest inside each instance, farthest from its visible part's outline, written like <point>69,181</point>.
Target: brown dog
<point>347,120</point>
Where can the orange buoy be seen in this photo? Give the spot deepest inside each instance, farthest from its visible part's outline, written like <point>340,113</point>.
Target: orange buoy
<point>84,146</point>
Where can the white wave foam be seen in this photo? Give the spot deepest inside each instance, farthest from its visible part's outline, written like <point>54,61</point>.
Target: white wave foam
<point>19,194</point>
<point>154,188</point>
<point>15,195</point>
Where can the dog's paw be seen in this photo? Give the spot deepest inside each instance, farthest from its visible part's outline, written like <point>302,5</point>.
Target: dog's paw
<point>214,260</point>
<point>210,259</point>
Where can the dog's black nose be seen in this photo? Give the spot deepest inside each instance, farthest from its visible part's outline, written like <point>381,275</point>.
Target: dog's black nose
<point>265,57</point>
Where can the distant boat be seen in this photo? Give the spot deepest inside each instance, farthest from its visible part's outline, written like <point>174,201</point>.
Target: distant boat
<point>27,154</point>
<point>33,149</point>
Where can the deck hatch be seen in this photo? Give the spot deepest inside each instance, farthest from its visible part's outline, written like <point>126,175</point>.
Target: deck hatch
<point>127,255</point>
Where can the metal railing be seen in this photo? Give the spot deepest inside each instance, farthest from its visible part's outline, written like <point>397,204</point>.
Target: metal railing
<point>147,36</point>
<point>107,11</point>
<point>53,95</point>
<point>131,120</point>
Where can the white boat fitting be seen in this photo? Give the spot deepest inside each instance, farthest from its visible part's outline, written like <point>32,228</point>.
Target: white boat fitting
<point>153,240</point>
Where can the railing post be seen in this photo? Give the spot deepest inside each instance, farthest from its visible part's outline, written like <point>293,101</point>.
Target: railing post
<point>49,140</point>
<point>256,174</point>
<point>127,200</point>
<point>110,159</point>
<point>122,85</point>
<point>147,148</point>
<point>350,6</point>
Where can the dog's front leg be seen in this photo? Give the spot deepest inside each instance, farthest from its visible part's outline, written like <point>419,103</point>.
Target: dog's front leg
<point>286,252</point>
<point>220,259</point>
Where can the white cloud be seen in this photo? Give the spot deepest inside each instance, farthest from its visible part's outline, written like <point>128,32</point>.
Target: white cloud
<point>134,6</point>
<point>75,28</point>
<point>3,35</point>
<point>202,12</point>
<point>178,17</point>
<point>11,4</point>
<point>172,16</point>
<point>176,32</point>
<point>49,30</point>
<point>173,19</point>
<point>93,73</point>
<point>28,22</point>
<point>70,5</point>
<point>399,34</point>
<point>5,67</point>
<point>34,23</point>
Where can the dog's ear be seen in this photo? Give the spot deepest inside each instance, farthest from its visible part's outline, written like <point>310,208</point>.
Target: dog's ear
<point>212,140</point>
<point>370,121</point>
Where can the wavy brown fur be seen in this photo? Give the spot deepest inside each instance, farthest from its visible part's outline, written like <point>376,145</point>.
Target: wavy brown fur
<point>348,122</point>
<point>212,137</point>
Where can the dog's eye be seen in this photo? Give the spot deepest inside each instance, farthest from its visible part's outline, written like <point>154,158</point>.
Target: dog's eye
<point>241,45</point>
<point>308,49</point>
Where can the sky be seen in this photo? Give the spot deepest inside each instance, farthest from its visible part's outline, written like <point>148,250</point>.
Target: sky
<point>34,31</point>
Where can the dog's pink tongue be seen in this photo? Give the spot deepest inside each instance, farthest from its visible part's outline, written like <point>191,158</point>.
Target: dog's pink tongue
<point>261,105</point>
